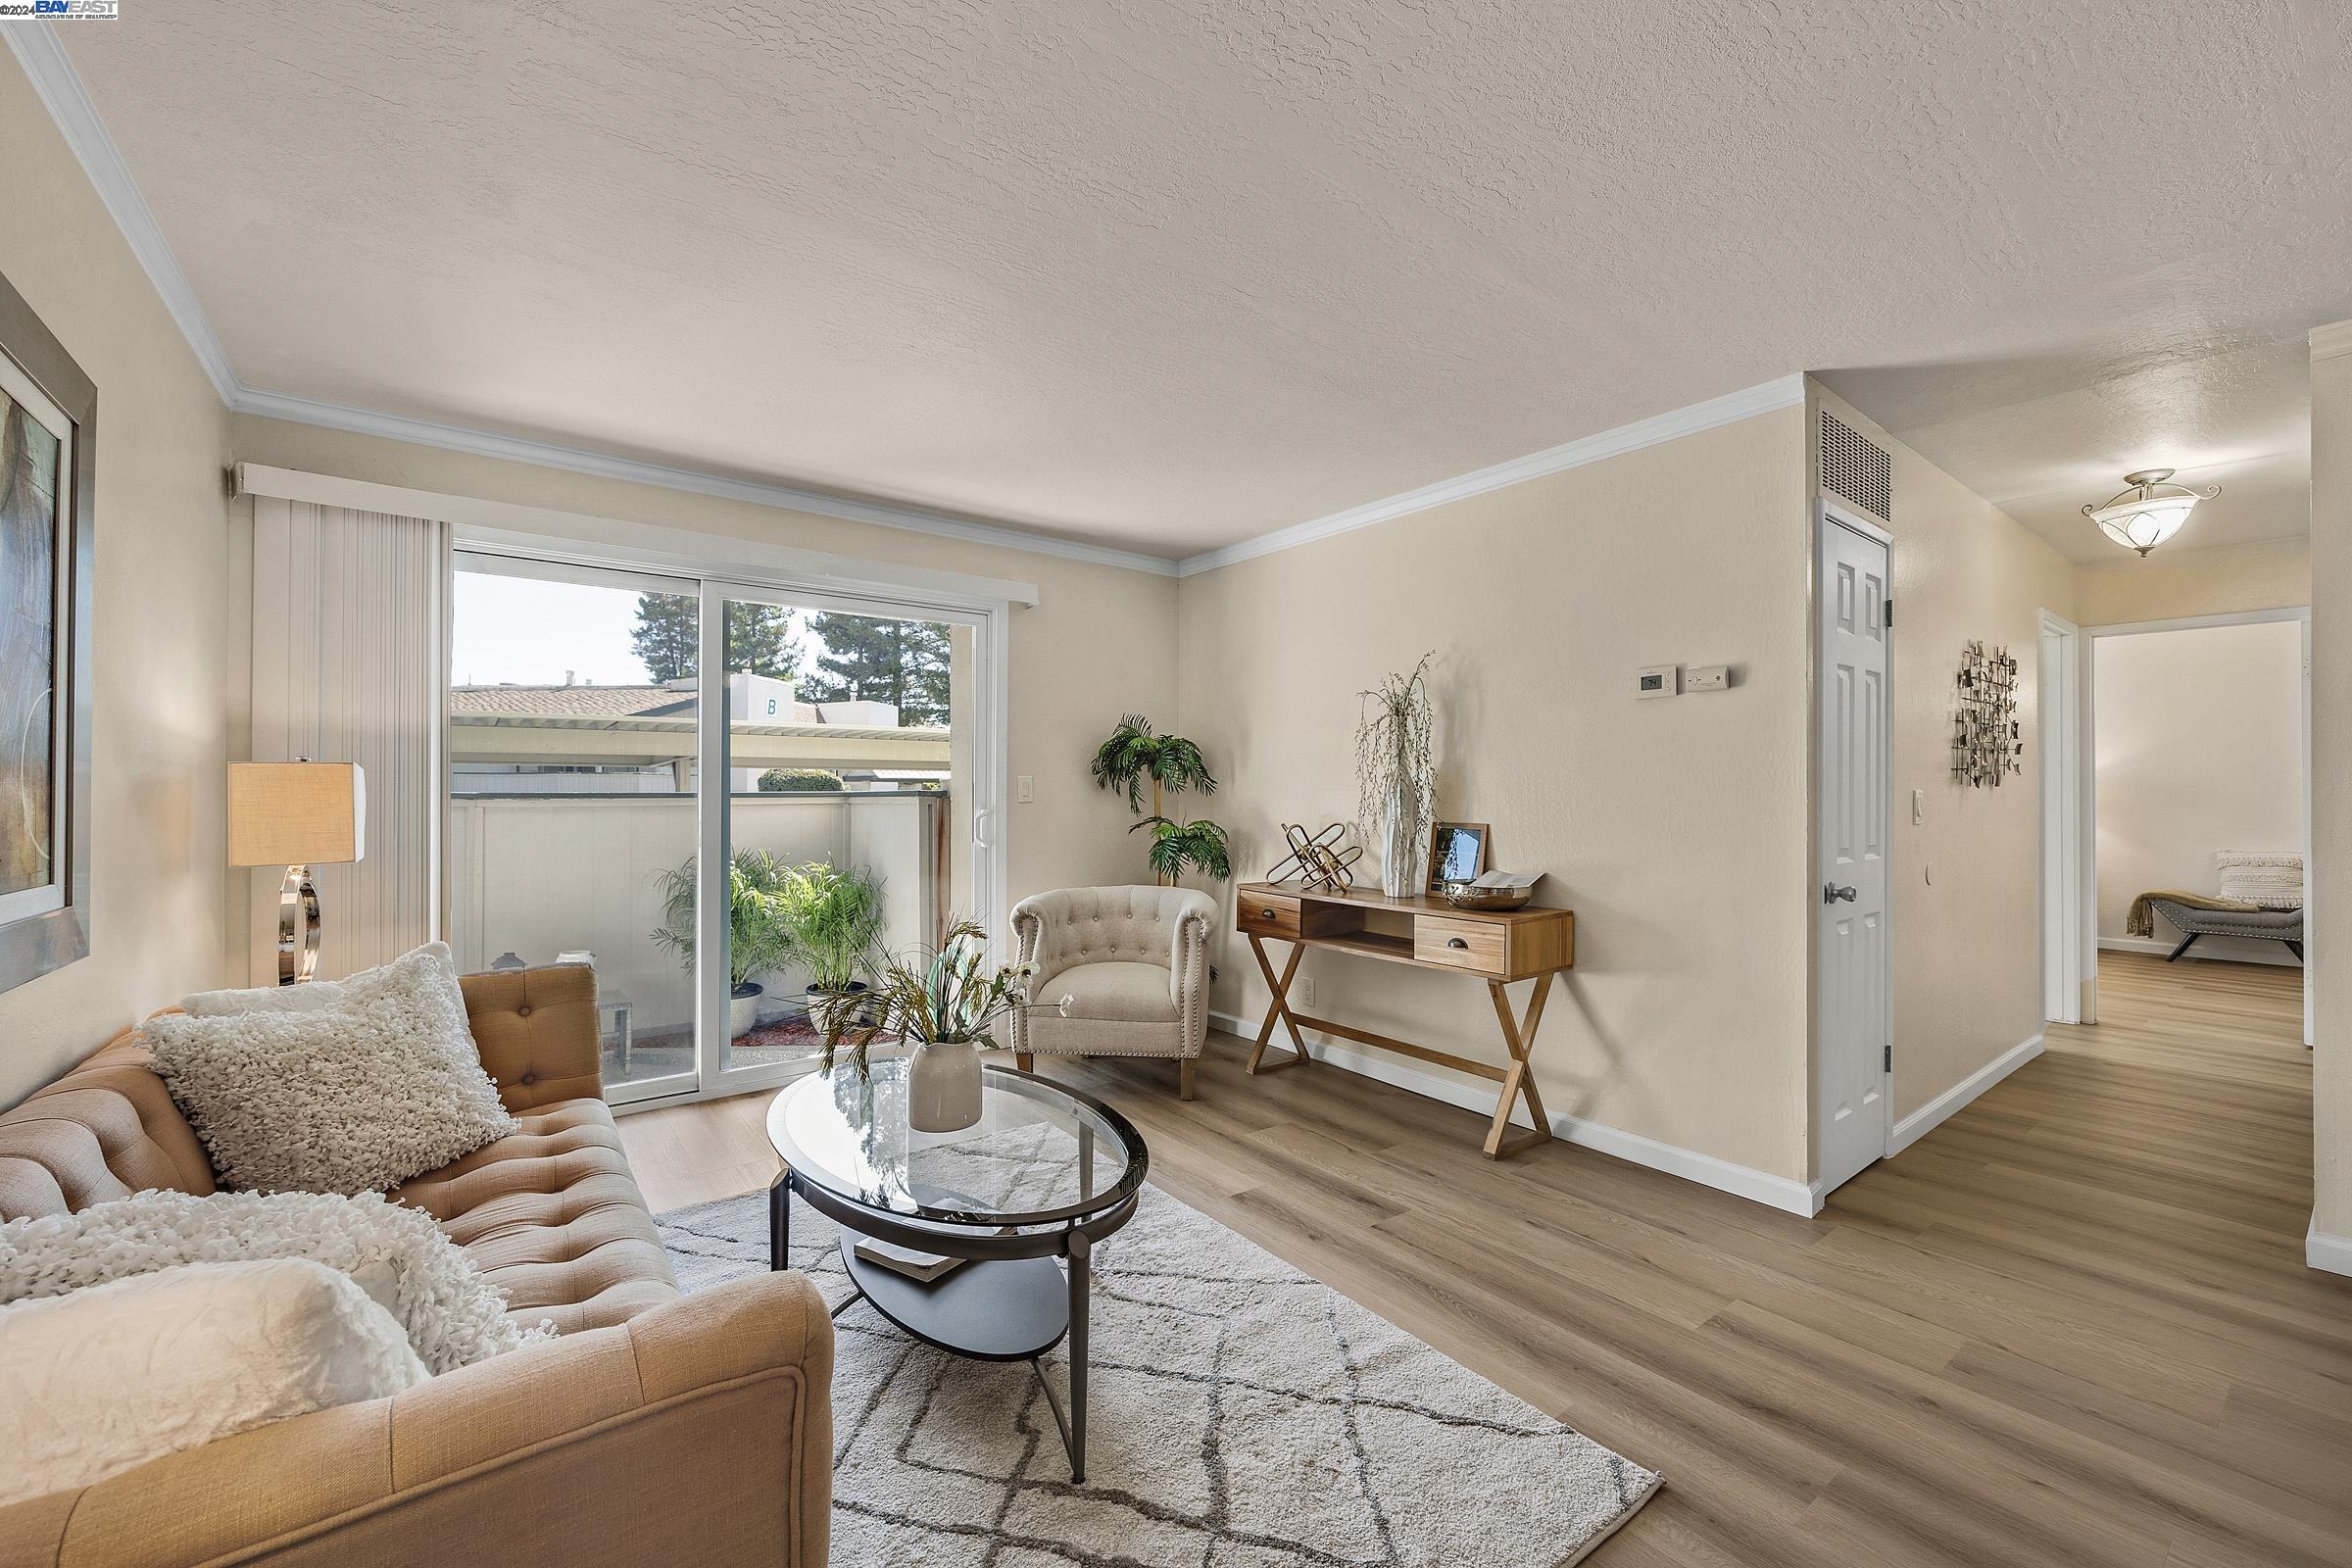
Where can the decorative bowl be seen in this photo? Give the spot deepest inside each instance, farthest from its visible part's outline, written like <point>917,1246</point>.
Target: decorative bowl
<point>1462,896</point>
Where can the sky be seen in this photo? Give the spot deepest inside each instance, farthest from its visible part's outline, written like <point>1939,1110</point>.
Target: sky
<point>527,632</point>
<point>531,633</point>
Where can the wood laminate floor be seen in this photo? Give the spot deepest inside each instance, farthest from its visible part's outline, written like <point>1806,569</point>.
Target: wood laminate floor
<point>2071,1326</point>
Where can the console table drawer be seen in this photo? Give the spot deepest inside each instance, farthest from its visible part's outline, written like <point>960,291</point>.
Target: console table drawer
<point>1267,914</point>
<point>1477,945</point>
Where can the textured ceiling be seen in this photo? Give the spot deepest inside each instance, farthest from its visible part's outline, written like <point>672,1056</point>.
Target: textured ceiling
<point>2240,420</point>
<point>1167,278</point>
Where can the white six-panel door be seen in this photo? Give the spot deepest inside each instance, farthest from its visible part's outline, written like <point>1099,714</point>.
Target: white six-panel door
<point>1854,1016</point>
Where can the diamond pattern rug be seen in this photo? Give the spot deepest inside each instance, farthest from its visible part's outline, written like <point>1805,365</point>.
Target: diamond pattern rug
<point>1244,1416</point>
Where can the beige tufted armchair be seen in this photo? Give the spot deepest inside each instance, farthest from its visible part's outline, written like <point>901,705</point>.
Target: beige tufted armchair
<point>1134,964</point>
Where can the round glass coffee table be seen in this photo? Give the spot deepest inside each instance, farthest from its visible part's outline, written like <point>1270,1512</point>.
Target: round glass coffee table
<point>1022,1196</point>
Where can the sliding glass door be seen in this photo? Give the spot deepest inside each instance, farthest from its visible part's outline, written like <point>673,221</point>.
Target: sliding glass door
<point>719,793</point>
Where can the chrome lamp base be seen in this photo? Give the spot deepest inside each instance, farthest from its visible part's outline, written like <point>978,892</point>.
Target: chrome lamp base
<point>297,927</point>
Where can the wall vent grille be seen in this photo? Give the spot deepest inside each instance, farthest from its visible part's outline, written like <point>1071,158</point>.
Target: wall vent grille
<point>1856,469</point>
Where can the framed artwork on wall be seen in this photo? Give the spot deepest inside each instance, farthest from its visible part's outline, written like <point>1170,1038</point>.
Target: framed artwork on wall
<point>1457,853</point>
<point>48,450</point>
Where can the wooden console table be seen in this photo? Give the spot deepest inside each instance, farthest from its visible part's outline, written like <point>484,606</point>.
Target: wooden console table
<point>1497,947</point>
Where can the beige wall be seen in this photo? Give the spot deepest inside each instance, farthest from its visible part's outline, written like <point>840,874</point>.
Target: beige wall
<point>1675,830</point>
<point>1967,879</point>
<point>2200,747</point>
<point>1096,644</point>
<point>2173,585</point>
<point>161,611</point>
<point>2330,942</point>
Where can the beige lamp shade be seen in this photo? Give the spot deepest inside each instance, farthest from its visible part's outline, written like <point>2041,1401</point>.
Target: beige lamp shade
<point>295,814</point>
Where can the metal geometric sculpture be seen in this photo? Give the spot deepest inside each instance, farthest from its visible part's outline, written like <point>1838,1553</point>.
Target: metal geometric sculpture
<point>1986,741</point>
<point>1319,860</point>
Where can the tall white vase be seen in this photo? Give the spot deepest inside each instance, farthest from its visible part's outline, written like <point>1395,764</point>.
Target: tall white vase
<point>1400,845</point>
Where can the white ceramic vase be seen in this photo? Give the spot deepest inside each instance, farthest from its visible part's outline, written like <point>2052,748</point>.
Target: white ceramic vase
<point>1399,846</point>
<point>942,1087</point>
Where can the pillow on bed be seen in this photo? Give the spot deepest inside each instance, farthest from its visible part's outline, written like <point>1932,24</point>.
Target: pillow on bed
<point>97,1381</point>
<point>451,1314</point>
<point>2270,878</point>
<point>384,1084</point>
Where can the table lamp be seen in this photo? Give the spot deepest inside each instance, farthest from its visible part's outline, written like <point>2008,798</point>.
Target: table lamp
<point>297,815</point>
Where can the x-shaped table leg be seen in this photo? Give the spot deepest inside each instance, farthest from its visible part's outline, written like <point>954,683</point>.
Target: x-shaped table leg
<point>1518,1038</point>
<point>1277,1009</point>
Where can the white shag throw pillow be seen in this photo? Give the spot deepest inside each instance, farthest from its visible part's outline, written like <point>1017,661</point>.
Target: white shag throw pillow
<point>100,1380</point>
<point>2270,878</point>
<point>313,995</point>
<point>451,1313</point>
<point>358,1096</point>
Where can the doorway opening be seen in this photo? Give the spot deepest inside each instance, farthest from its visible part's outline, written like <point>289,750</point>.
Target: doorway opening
<point>2194,810</point>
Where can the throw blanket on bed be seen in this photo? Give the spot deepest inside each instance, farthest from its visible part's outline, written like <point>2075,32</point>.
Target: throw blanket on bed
<point>2140,921</point>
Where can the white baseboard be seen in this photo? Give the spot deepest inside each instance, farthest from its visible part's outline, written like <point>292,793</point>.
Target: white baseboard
<point>2252,951</point>
<point>2324,1251</point>
<point>1922,1121</point>
<point>1759,1187</point>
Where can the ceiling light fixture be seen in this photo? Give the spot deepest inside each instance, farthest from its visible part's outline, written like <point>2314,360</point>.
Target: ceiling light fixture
<point>2150,513</point>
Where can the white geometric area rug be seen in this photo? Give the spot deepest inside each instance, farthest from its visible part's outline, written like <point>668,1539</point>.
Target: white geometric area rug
<point>1242,1415</point>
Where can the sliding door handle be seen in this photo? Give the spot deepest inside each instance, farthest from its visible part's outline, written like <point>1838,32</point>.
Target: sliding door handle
<point>1831,893</point>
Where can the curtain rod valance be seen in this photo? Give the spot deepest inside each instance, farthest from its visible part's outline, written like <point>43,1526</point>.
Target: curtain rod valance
<point>689,547</point>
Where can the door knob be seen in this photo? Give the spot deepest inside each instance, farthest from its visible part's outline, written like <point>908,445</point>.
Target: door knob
<point>1831,893</point>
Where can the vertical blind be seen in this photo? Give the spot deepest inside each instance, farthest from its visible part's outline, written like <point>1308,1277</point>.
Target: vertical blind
<point>349,638</point>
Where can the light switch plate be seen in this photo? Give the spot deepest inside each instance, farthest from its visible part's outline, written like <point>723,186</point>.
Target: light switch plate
<point>1024,788</point>
<point>1657,680</point>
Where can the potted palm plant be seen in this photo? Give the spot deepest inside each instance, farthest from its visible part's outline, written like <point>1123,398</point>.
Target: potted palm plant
<point>943,1001</point>
<point>1135,756</point>
<point>757,938</point>
<point>831,917</point>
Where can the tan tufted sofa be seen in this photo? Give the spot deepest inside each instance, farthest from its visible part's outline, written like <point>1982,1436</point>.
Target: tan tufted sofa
<point>1133,964</point>
<point>656,1428</point>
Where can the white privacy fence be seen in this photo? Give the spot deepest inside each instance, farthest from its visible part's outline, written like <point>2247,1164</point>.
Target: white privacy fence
<point>538,877</point>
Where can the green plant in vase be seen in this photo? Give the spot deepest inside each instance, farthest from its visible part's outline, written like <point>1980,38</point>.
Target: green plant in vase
<point>757,938</point>
<point>1135,756</point>
<point>943,1001</point>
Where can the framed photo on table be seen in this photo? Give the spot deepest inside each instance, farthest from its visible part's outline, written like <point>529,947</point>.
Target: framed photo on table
<point>1457,853</point>
<point>48,462</point>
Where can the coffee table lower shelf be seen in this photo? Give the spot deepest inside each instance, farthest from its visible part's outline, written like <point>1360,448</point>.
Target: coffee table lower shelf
<point>1014,1299</point>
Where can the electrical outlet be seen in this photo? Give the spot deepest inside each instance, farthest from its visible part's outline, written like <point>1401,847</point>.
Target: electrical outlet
<point>1024,789</point>
<point>1306,990</point>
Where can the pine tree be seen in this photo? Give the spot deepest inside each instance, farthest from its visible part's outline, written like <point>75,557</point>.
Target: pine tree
<point>668,637</point>
<point>901,661</point>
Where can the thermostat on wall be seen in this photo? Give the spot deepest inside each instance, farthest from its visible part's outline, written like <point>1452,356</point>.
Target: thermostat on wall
<point>1657,680</point>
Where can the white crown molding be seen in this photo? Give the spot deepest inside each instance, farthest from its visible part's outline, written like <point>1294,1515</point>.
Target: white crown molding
<point>1730,409</point>
<point>62,92</point>
<point>603,465</point>
<point>59,86</point>
<point>2332,341</point>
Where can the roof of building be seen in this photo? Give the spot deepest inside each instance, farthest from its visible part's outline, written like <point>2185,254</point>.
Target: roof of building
<point>588,702</point>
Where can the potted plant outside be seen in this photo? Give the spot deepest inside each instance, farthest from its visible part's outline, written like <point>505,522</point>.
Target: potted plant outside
<point>831,918</point>
<point>757,939</point>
